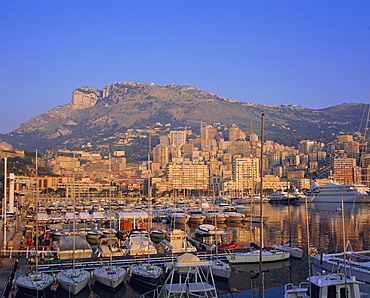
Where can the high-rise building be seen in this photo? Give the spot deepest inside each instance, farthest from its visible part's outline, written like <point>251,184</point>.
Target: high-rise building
<point>245,172</point>
<point>345,170</point>
<point>187,175</point>
<point>161,155</point>
<point>177,137</point>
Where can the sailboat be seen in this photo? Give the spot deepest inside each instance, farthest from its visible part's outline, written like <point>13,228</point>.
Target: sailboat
<point>35,283</point>
<point>257,253</point>
<point>73,280</point>
<point>110,275</point>
<point>145,272</point>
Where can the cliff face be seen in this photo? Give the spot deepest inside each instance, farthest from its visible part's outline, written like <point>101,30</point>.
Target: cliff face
<point>85,97</point>
<point>93,112</point>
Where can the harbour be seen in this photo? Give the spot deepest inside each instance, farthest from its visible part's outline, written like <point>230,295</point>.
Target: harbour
<point>285,223</point>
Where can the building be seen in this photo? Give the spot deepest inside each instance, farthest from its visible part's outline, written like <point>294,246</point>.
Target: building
<point>245,173</point>
<point>346,171</point>
<point>187,175</point>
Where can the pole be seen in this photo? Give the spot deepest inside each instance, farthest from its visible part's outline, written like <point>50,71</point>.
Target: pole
<point>4,204</point>
<point>261,294</point>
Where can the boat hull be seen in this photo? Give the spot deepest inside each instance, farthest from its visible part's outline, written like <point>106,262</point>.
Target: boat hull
<point>146,273</point>
<point>254,257</point>
<point>35,285</point>
<point>73,280</point>
<point>109,276</point>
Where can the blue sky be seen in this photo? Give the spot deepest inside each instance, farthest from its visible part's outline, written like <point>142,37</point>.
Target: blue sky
<point>315,54</point>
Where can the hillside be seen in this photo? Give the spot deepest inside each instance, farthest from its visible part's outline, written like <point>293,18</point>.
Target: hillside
<point>94,114</point>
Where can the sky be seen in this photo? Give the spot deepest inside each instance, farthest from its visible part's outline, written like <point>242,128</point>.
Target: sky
<point>315,54</point>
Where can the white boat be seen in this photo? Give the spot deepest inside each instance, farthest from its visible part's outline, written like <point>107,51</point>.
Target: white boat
<point>178,216</point>
<point>73,280</point>
<point>35,284</point>
<point>253,256</point>
<point>283,197</point>
<point>196,216</point>
<point>219,269</point>
<point>325,286</point>
<point>355,263</point>
<point>109,276</point>
<point>109,247</point>
<point>139,244</point>
<point>295,252</point>
<point>177,242</point>
<point>333,193</point>
<point>233,216</point>
<point>207,237</point>
<point>194,282</point>
<point>302,198</point>
<point>73,246</point>
<point>146,273</point>
<point>214,216</point>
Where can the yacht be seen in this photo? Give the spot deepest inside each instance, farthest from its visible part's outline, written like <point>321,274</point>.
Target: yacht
<point>177,242</point>
<point>208,237</point>
<point>283,197</point>
<point>356,263</point>
<point>194,282</point>
<point>196,216</point>
<point>325,286</point>
<point>333,192</point>
<point>139,243</point>
<point>253,256</point>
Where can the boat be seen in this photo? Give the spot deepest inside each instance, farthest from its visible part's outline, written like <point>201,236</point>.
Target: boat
<point>208,237</point>
<point>301,196</point>
<point>157,235</point>
<point>110,276</point>
<point>283,197</point>
<point>73,280</point>
<point>35,283</point>
<point>254,256</point>
<point>177,242</point>
<point>73,246</point>
<point>196,216</point>
<point>178,216</point>
<point>355,263</point>
<point>214,216</point>
<point>325,286</point>
<point>233,216</point>
<point>332,192</point>
<point>295,252</point>
<point>109,247</point>
<point>138,243</point>
<point>194,281</point>
<point>146,273</point>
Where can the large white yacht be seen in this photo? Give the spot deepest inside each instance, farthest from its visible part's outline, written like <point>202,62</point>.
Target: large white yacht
<point>333,192</point>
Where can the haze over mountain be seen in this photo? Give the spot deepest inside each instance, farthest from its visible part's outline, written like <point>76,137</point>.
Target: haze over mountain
<point>94,114</point>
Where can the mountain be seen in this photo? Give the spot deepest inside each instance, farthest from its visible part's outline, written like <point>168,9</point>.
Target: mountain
<point>94,114</point>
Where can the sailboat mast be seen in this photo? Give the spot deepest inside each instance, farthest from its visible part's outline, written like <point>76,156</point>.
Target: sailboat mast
<point>4,202</point>
<point>261,292</point>
<point>110,209</point>
<point>261,183</point>
<point>37,211</point>
<point>74,210</point>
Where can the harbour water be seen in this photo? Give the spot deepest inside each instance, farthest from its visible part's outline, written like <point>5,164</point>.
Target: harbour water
<point>285,223</point>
